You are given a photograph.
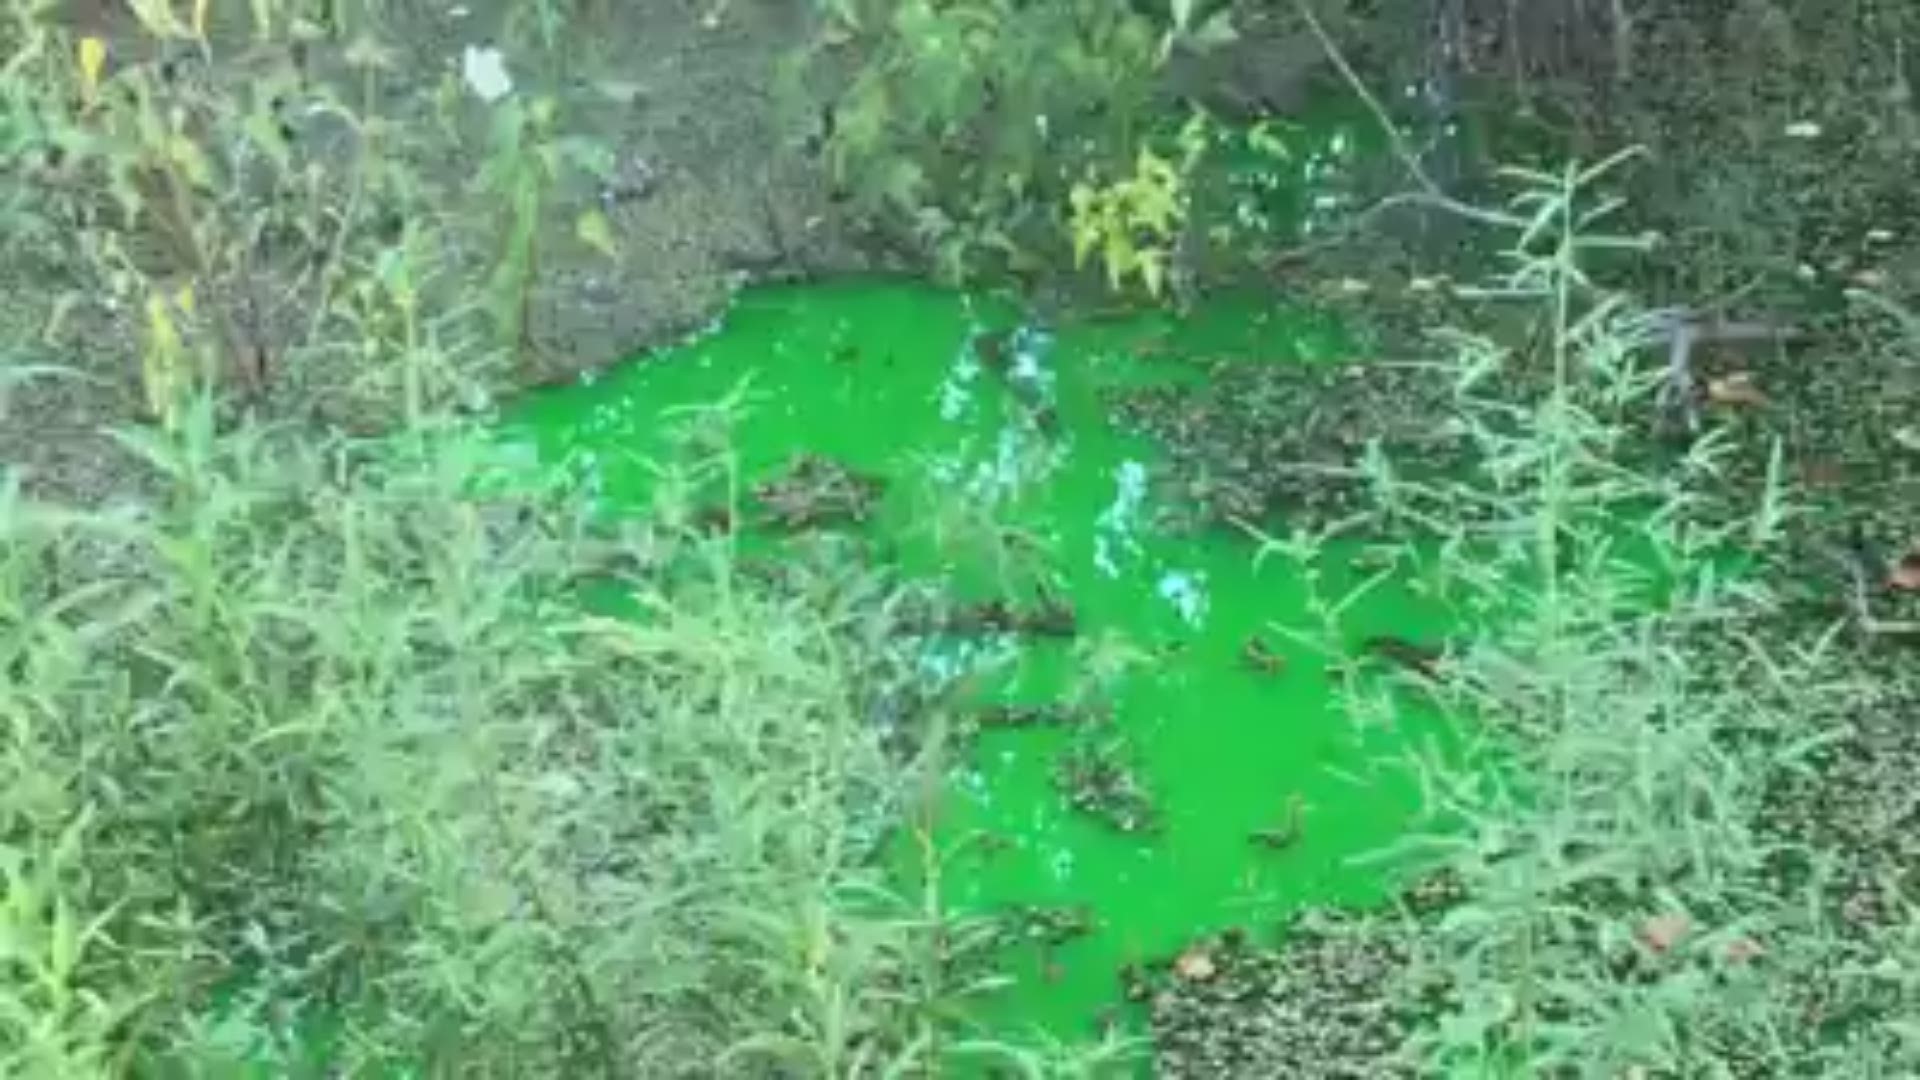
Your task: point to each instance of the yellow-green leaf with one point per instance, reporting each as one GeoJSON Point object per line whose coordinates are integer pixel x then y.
{"type": "Point", "coordinates": [1085, 235]}
{"type": "Point", "coordinates": [157, 18]}
{"type": "Point", "coordinates": [162, 334]}
{"type": "Point", "coordinates": [1263, 140]}
{"type": "Point", "coordinates": [160, 365]}
{"type": "Point", "coordinates": [1152, 265]}
{"type": "Point", "coordinates": [594, 231]}
{"type": "Point", "coordinates": [1120, 258]}
{"type": "Point", "coordinates": [93, 58]}
{"type": "Point", "coordinates": [1217, 31]}
{"type": "Point", "coordinates": [188, 156]}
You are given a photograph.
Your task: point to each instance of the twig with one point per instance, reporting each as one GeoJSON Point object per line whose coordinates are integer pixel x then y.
{"type": "Point", "coordinates": [1430, 193]}
{"type": "Point", "coordinates": [336, 246]}
{"type": "Point", "coordinates": [1685, 327]}
{"type": "Point", "coordinates": [1359, 221]}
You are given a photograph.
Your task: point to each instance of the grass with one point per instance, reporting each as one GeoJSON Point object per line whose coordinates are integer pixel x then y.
{"type": "Point", "coordinates": [1640, 898]}
{"type": "Point", "coordinates": [324, 724]}
{"type": "Point", "coordinates": [309, 742]}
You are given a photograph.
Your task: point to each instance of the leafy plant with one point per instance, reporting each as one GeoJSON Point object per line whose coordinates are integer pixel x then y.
{"type": "Point", "coordinates": [962, 125]}
{"type": "Point", "coordinates": [1135, 222]}
{"type": "Point", "coordinates": [1620, 902]}
{"type": "Point", "coordinates": [527, 157]}
{"type": "Point", "coordinates": [326, 726]}
{"type": "Point", "coordinates": [225, 188]}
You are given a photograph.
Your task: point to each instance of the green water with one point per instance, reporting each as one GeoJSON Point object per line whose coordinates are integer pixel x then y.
{"type": "Point", "coordinates": [889, 379]}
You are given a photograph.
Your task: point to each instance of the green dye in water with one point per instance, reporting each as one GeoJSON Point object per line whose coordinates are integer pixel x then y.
{"type": "Point", "coordinates": [960, 410]}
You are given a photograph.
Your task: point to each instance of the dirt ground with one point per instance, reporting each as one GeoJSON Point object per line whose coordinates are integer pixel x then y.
{"type": "Point", "coordinates": [711, 189]}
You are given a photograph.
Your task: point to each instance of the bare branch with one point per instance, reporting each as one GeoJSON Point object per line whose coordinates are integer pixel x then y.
{"type": "Point", "coordinates": [1430, 193]}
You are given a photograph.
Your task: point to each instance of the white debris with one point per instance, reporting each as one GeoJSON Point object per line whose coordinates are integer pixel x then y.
{"type": "Point", "coordinates": [485, 70]}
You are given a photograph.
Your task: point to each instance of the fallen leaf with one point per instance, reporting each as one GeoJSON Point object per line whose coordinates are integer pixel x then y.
{"type": "Point", "coordinates": [1662, 932]}
{"type": "Point", "coordinates": [1744, 949]}
{"type": "Point", "coordinates": [1905, 575]}
{"type": "Point", "coordinates": [1195, 965]}
{"type": "Point", "coordinates": [1735, 388]}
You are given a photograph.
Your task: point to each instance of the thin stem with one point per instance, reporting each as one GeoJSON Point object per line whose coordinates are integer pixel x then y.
{"type": "Point", "coordinates": [1431, 193]}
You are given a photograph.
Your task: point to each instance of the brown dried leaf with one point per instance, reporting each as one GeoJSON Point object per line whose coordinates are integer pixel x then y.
{"type": "Point", "coordinates": [1905, 575]}
{"type": "Point", "coordinates": [1195, 965]}
{"type": "Point", "coordinates": [1661, 933]}
{"type": "Point", "coordinates": [1744, 950]}
{"type": "Point", "coordinates": [1735, 388]}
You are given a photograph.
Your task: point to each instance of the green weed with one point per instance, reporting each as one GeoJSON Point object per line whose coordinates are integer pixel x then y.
{"type": "Point", "coordinates": [324, 736]}
{"type": "Point", "coordinates": [1617, 906]}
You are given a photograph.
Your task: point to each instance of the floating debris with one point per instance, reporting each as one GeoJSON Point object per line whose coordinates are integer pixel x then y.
{"type": "Point", "coordinates": [1046, 926]}
{"type": "Point", "coordinates": [1257, 656]}
{"type": "Point", "coordinates": [1289, 831]}
{"type": "Point", "coordinates": [1032, 716]}
{"type": "Point", "coordinates": [1049, 618]}
{"type": "Point", "coordinates": [1099, 779]}
{"type": "Point", "coordinates": [1257, 440]}
{"type": "Point", "coordinates": [816, 491]}
{"type": "Point", "coordinates": [1422, 660]}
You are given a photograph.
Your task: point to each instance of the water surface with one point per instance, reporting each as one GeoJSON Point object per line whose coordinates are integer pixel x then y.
{"type": "Point", "coordinates": [1005, 478]}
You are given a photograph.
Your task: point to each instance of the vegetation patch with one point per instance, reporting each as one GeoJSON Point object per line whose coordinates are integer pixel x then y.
{"type": "Point", "coordinates": [335, 741]}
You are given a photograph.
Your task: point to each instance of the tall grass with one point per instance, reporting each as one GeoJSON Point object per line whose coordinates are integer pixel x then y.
{"type": "Point", "coordinates": [1619, 905]}
{"type": "Point", "coordinates": [313, 757]}
{"type": "Point", "coordinates": [325, 739]}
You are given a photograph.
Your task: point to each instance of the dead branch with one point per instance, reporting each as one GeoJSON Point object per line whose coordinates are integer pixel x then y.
{"type": "Point", "coordinates": [1430, 192]}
